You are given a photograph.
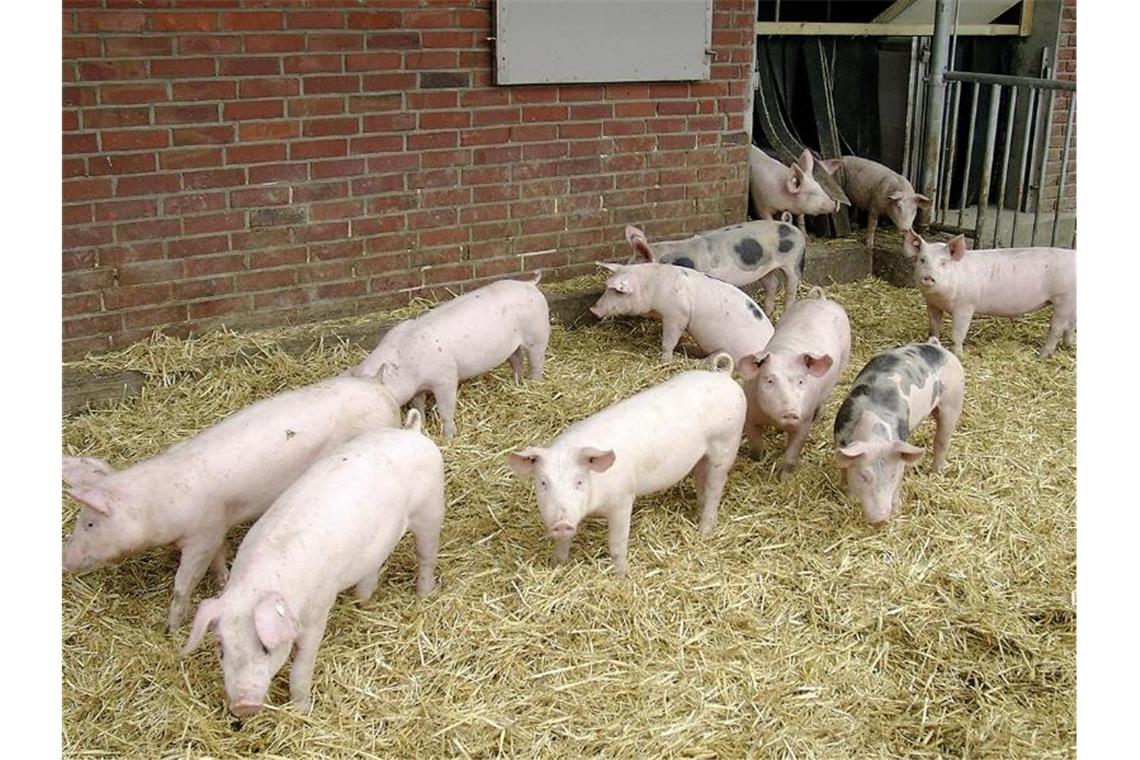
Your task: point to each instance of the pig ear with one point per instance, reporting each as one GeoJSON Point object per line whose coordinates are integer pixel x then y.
{"type": "Point", "coordinates": [922, 200]}
{"type": "Point", "coordinates": [957, 246]}
{"type": "Point", "coordinates": [522, 462]}
{"type": "Point", "coordinates": [640, 244]}
{"type": "Point", "coordinates": [795, 177]}
{"type": "Point", "coordinates": [78, 471]}
{"type": "Point", "coordinates": [274, 621]}
{"type": "Point", "coordinates": [897, 195]}
{"type": "Point", "coordinates": [92, 496]}
{"type": "Point", "coordinates": [817, 364]}
{"type": "Point", "coordinates": [204, 620]}
{"type": "Point", "coordinates": [912, 243]}
{"type": "Point", "coordinates": [383, 372]}
{"type": "Point", "coordinates": [413, 420]}
{"type": "Point", "coordinates": [610, 266]}
{"type": "Point", "coordinates": [849, 453]}
{"type": "Point", "coordinates": [596, 459]}
{"type": "Point", "coordinates": [750, 365]}
{"type": "Point", "coordinates": [806, 161]}
{"type": "Point", "coordinates": [831, 165]}
{"type": "Point", "coordinates": [907, 452]}
{"type": "Point", "coordinates": [624, 285]}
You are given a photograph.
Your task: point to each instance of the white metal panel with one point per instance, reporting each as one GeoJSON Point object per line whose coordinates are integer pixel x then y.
{"type": "Point", "coordinates": [549, 41]}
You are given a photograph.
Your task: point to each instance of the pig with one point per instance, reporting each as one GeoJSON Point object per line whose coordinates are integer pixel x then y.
{"type": "Point", "coordinates": [891, 395]}
{"type": "Point", "coordinates": [788, 383]}
{"type": "Point", "coordinates": [461, 339]}
{"type": "Point", "coordinates": [879, 190]}
{"type": "Point", "coordinates": [332, 529]}
{"type": "Point", "coordinates": [738, 254]}
{"type": "Point", "coordinates": [642, 444]}
{"type": "Point", "coordinates": [717, 315]}
{"type": "Point", "coordinates": [196, 490]}
{"type": "Point", "coordinates": [775, 187]}
{"type": "Point", "coordinates": [1003, 281]}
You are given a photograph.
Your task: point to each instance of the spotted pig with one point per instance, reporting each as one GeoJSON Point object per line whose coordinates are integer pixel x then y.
{"type": "Point", "coordinates": [719, 316]}
{"type": "Point", "coordinates": [739, 254]}
{"type": "Point", "coordinates": [891, 395]}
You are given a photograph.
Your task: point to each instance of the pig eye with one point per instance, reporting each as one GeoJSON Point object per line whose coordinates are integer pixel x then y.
{"type": "Point", "coordinates": [90, 524]}
{"type": "Point", "coordinates": [579, 483]}
{"type": "Point", "coordinates": [865, 476]}
{"type": "Point", "coordinates": [801, 381]}
{"type": "Point", "coordinates": [542, 483]}
{"type": "Point", "coordinates": [769, 380]}
{"type": "Point", "coordinates": [921, 259]}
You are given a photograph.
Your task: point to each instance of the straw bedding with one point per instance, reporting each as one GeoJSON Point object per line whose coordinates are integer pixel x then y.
{"type": "Point", "coordinates": [794, 631]}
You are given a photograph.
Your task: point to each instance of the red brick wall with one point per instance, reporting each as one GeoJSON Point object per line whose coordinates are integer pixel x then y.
{"type": "Point", "coordinates": [251, 162]}
{"type": "Point", "coordinates": [1066, 68]}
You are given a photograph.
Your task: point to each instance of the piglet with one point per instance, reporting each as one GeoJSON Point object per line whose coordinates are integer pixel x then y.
{"type": "Point", "coordinates": [874, 187]}
{"type": "Point", "coordinates": [775, 187]}
{"type": "Point", "coordinates": [461, 339]}
{"type": "Point", "coordinates": [228, 474]}
{"type": "Point", "coordinates": [1005, 282]}
{"type": "Point", "coordinates": [891, 395]}
{"type": "Point", "coordinates": [719, 316]}
{"type": "Point", "coordinates": [738, 254]}
{"type": "Point", "coordinates": [788, 383]}
{"type": "Point", "coordinates": [331, 530]}
{"type": "Point", "coordinates": [645, 443]}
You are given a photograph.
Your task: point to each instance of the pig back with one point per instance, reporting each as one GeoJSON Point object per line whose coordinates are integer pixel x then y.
{"type": "Point", "coordinates": [814, 326]}
{"type": "Point", "coordinates": [868, 183]}
{"type": "Point", "coordinates": [659, 434]}
{"type": "Point", "coordinates": [245, 461]}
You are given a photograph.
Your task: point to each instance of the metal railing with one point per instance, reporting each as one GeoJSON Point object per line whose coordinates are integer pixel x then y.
{"type": "Point", "coordinates": [1026, 136]}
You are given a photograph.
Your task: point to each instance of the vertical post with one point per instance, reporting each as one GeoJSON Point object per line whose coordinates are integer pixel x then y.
{"type": "Point", "coordinates": [936, 95]}
{"type": "Point", "coordinates": [1023, 164]}
{"type": "Point", "coordinates": [948, 160]}
{"type": "Point", "coordinates": [1010, 114]}
{"type": "Point", "coordinates": [969, 160]}
{"type": "Point", "coordinates": [1044, 124]}
{"type": "Point", "coordinates": [1064, 168]}
{"type": "Point", "coordinates": [988, 160]}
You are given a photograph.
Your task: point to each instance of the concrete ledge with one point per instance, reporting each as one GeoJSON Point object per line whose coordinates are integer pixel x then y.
{"type": "Point", "coordinates": [828, 261]}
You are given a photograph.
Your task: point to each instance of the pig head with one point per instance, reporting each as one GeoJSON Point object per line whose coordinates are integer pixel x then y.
{"type": "Point", "coordinates": [109, 526]}
{"type": "Point", "coordinates": [874, 474]}
{"type": "Point", "coordinates": [563, 483]}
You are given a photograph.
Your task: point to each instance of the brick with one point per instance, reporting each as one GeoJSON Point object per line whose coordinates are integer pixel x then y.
{"type": "Point", "coordinates": [84, 303]}
{"type": "Point", "coordinates": [176, 68]}
{"type": "Point", "coordinates": [104, 21]}
{"type": "Point", "coordinates": [393, 41]}
{"type": "Point", "coordinates": [251, 66]}
{"type": "Point", "coordinates": [265, 259]}
{"type": "Point", "coordinates": [148, 184]}
{"type": "Point", "coordinates": [134, 139]}
{"type": "Point", "coordinates": [147, 46]}
{"type": "Point", "coordinates": [339, 250]}
{"type": "Point", "coordinates": [78, 214]}
{"type": "Point", "coordinates": [121, 163]}
{"type": "Point", "coordinates": [74, 97]}
{"type": "Point", "coordinates": [137, 295]}
{"type": "Point", "coordinates": [213, 178]}
{"type": "Point", "coordinates": [273, 43]}
{"type": "Point", "coordinates": [253, 131]}
{"type": "Point", "coordinates": [317, 149]}
{"type": "Point", "coordinates": [100, 118]}
{"type": "Point", "coordinates": [268, 279]}
{"type": "Point", "coordinates": [202, 266]}
{"type": "Point", "coordinates": [373, 103]}
{"type": "Point", "coordinates": [193, 158]}
{"type": "Point", "coordinates": [393, 82]}
{"type": "Point", "coordinates": [158, 270]}
{"type": "Point", "coordinates": [444, 79]}
{"type": "Point", "coordinates": [328, 231]}
{"type": "Point", "coordinates": [332, 42]}
{"type": "Point", "coordinates": [117, 210]}
{"type": "Point", "coordinates": [272, 217]}
{"type": "Point", "coordinates": [324, 106]}
{"type": "Point", "coordinates": [278, 173]}
{"type": "Point", "coordinates": [316, 85]}
{"type": "Point", "coordinates": [269, 87]}
{"type": "Point", "coordinates": [74, 167]}
{"type": "Point", "coordinates": [313, 64]}
{"type": "Point", "coordinates": [253, 109]}
{"type": "Point", "coordinates": [222, 222]}
{"type": "Point", "coordinates": [327, 127]}
{"type": "Point", "coordinates": [186, 114]}
{"type": "Point", "coordinates": [81, 47]}
{"type": "Point", "coordinates": [154, 317]}
{"type": "Point", "coordinates": [252, 20]}
{"type": "Point", "coordinates": [149, 230]}
{"type": "Point", "coordinates": [281, 299]}
{"type": "Point", "coordinates": [120, 94]}
{"type": "Point", "coordinates": [220, 134]}
{"type": "Point", "coordinates": [324, 191]}
{"type": "Point", "coordinates": [183, 205]}
{"type": "Point", "coordinates": [428, 140]}
{"type": "Point", "coordinates": [441, 61]}
{"type": "Point", "coordinates": [86, 142]}
{"type": "Point", "coordinates": [219, 307]}
{"type": "Point", "coordinates": [373, 20]}
{"type": "Point", "coordinates": [394, 122]}
{"type": "Point", "coordinates": [344, 168]}
{"type": "Point", "coordinates": [100, 70]}
{"type": "Point", "coordinates": [448, 39]}
{"type": "Point", "coordinates": [383, 61]}
{"type": "Point", "coordinates": [85, 326]}
{"type": "Point", "coordinates": [184, 22]}
{"type": "Point", "coordinates": [434, 19]}
{"type": "Point", "coordinates": [377, 183]}
{"type": "Point", "coordinates": [260, 196]}
{"type": "Point", "coordinates": [208, 44]}
{"type": "Point", "coordinates": [211, 89]}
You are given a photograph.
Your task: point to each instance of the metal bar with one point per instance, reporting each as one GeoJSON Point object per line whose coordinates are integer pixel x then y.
{"type": "Point", "coordinates": [954, 230]}
{"type": "Point", "coordinates": [1038, 120]}
{"type": "Point", "coordinates": [1011, 113]}
{"type": "Point", "coordinates": [1002, 79]}
{"type": "Point", "coordinates": [969, 156]}
{"type": "Point", "coordinates": [948, 161]}
{"type": "Point", "coordinates": [988, 157]}
{"type": "Point", "coordinates": [909, 106]}
{"type": "Point", "coordinates": [1047, 125]}
{"type": "Point", "coordinates": [829, 29]}
{"type": "Point", "coordinates": [935, 96]}
{"type": "Point", "coordinates": [1023, 165]}
{"type": "Point", "coordinates": [1064, 169]}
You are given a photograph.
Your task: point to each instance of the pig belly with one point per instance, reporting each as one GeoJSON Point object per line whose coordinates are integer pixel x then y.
{"type": "Point", "coordinates": [481, 348]}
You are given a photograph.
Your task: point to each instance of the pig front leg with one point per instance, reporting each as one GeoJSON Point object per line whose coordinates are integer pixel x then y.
{"type": "Point", "coordinates": [1057, 327]}
{"type": "Point", "coordinates": [796, 439]}
{"type": "Point", "coordinates": [618, 526]}
{"type": "Point", "coordinates": [935, 315]}
{"type": "Point", "coordinates": [754, 431]}
{"type": "Point", "coordinates": [516, 360]}
{"type": "Point", "coordinates": [711, 475]}
{"type": "Point", "coordinates": [800, 224]}
{"type": "Point", "coordinates": [872, 223]}
{"type": "Point", "coordinates": [196, 559]}
{"type": "Point", "coordinates": [791, 285]}
{"type": "Point", "coordinates": [960, 326]}
{"type": "Point", "coordinates": [671, 330]}
{"type": "Point", "coordinates": [561, 550]}
{"type": "Point", "coordinates": [445, 392]}
{"type": "Point", "coordinates": [304, 660]}
{"type": "Point", "coordinates": [364, 588]}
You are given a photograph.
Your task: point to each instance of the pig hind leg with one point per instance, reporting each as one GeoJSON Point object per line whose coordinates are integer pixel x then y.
{"type": "Point", "coordinates": [946, 416]}
{"type": "Point", "coordinates": [445, 391]}
{"type": "Point", "coordinates": [769, 283]}
{"type": "Point", "coordinates": [305, 658]}
{"type": "Point", "coordinates": [536, 352]}
{"type": "Point", "coordinates": [711, 474]}
{"type": "Point", "coordinates": [960, 326]}
{"type": "Point", "coordinates": [516, 360]}
{"type": "Point", "coordinates": [218, 566]}
{"type": "Point", "coordinates": [425, 527]}
{"type": "Point", "coordinates": [1064, 322]}
{"type": "Point", "coordinates": [196, 559]}
{"type": "Point", "coordinates": [791, 284]}
{"type": "Point", "coordinates": [670, 335]}
{"type": "Point", "coordinates": [872, 223]}
{"type": "Point", "coordinates": [364, 588]}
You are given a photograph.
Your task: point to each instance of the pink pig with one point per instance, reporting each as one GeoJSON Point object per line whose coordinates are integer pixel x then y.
{"type": "Point", "coordinates": [1006, 282]}
{"type": "Point", "coordinates": [789, 382]}
{"type": "Point", "coordinates": [332, 529]}
{"type": "Point", "coordinates": [228, 474]}
{"type": "Point", "coordinates": [891, 395]}
{"type": "Point", "coordinates": [879, 190]}
{"type": "Point", "coordinates": [775, 187]}
{"type": "Point", "coordinates": [461, 339]}
{"type": "Point", "coordinates": [645, 443]}
{"type": "Point", "coordinates": [720, 317]}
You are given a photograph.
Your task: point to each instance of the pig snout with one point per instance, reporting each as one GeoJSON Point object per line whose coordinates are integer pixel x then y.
{"type": "Point", "coordinates": [563, 529]}
{"type": "Point", "coordinates": [597, 312]}
{"type": "Point", "coordinates": [790, 417]}
{"type": "Point", "coordinates": [245, 708]}
{"type": "Point", "coordinates": [927, 281]}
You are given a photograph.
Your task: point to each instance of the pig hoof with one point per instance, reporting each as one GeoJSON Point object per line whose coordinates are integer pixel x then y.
{"type": "Point", "coordinates": [706, 529]}
{"type": "Point", "coordinates": [303, 706]}
{"type": "Point", "coordinates": [788, 470]}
